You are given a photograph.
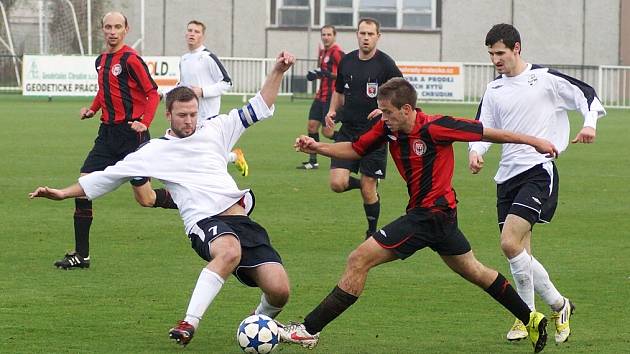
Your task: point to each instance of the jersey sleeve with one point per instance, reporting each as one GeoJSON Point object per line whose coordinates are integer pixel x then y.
{"type": "Point", "coordinates": [574, 94]}
{"type": "Point", "coordinates": [140, 73]}
{"type": "Point", "coordinates": [236, 121]}
{"type": "Point", "coordinates": [219, 75]}
{"type": "Point", "coordinates": [446, 130]}
{"type": "Point", "coordinates": [486, 117]}
{"type": "Point", "coordinates": [340, 80]}
{"type": "Point", "coordinates": [371, 140]}
{"type": "Point", "coordinates": [97, 101]}
{"type": "Point", "coordinates": [99, 183]}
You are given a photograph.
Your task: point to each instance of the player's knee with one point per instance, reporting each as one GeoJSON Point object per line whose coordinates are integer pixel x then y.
{"type": "Point", "coordinates": [279, 294]}
{"type": "Point", "coordinates": [338, 186]}
{"type": "Point", "coordinates": [358, 261]}
{"type": "Point", "coordinates": [510, 246]}
{"type": "Point", "coordinates": [229, 254]}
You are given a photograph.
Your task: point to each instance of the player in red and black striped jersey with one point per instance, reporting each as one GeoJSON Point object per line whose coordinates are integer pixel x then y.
{"type": "Point", "coordinates": [328, 59]}
{"type": "Point", "coordinates": [421, 146]}
{"type": "Point", "coordinates": [127, 97]}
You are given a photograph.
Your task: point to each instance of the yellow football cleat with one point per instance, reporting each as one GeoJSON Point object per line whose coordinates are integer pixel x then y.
{"type": "Point", "coordinates": [561, 319]}
{"type": "Point", "coordinates": [537, 329]}
{"type": "Point", "coordinates": [517, 332]}
{"type": "Point", "coordinates": [240, 162]}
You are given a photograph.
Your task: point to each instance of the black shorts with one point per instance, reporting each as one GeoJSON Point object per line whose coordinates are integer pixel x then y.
{"type": "Point", "coordinates": [373, 164]}
{"type": "Point", "coordinates": [532, 195]}
{"type": "Point", "coordinates": [318, 111]}
{"type": "Point", "coordinates": [256, 247]}
{"type": "Point", "coordinates": [420, 228]}
{"type": "Point", "coordinates": [112, 144]}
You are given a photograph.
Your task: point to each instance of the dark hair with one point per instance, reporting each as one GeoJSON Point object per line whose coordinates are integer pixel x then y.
{"type": "Point", "coordinates": [370, 20]}
{"type": "Point", "coordinates": [113, 12]}
{"type": "Point", "coordinates": [179, 94]}
{"type": "Point", "coordinates": [329, 26]}
{"type": "Point", "coordinates": [198, 23]}
{"type": "Point", "coordinates": [398, 92]}
{"type": "Point", "coordinates": [508, 34]}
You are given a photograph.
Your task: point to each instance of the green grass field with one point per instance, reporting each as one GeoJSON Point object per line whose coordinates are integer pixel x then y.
{"type": "Point", "coordinates": [143, 269]}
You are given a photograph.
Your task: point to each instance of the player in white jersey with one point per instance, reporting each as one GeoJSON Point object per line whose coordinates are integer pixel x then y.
{"type": "Point", "coordinates": [532, 100]}
{"type": "Point", "coordinates": [191, 160]}
{"type": "Point", "coordinates": [204, 73]}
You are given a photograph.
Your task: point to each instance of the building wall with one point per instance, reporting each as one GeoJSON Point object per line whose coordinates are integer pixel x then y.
{"type": "Point", "coordinates": [553, 31]}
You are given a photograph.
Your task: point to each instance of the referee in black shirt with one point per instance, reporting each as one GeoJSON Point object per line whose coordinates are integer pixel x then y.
{"type": "Point", "coordinates": [359, 76]}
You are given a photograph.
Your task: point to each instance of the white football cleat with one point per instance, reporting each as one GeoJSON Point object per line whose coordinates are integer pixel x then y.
{"type": "Point", "coordinates": [297, 334]}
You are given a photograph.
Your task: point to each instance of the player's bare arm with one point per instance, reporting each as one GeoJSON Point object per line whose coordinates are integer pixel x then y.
{"type": "Point", "coordinates": [72, 191]}
{"type": "Point", "coordinates": [585, 136]}
{"type": "Point", "coordinates": [342, 150]}
{"type": "Point", "coordinates": [270, 88]}
{"type": "Point", "coordinates": [503, 136]}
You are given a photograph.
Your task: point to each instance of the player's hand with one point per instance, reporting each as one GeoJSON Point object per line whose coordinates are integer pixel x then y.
{"type": "Point", "coordinates": [139, 127]}
{"type": "Point", "coordinates": [284, 61]}
{"type": "Point", "coordinates": [197, 90]}
{"type": "Point", "coordinates": [546, 147]}
{"type": "Point", "coordinates": [330, 119]}
{"type": "Point", "coordinates": [475, 162]}
{"type": "Point", "coordinates": [86, 113]}
{"type": "Point", "coordinates": [375, 113]}
{"type": "Point", "coordinates": [585, 136]}
{"type": "Point", "coordinates": [305, 144]}
{"type": "Point", "coordinates": [46, 192]}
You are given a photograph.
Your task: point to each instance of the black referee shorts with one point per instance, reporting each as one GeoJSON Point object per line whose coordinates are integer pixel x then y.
{"type": "Point", "coordinates": [421, 228]}
{"type": "Point", "coordinates": [373, 164]}
{"type": "Point", "coordinates": [256, 247]}
{"type": "Point", "coordinates": [532, 195]}
{"type": "Point", "coordinates": [112, 144]}
{"type": "Point", "coordinates": [318, 111]}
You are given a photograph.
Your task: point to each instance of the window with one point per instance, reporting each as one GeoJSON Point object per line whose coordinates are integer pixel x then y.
{"type": "Point", "coordinates": [294, 13]}
{"type": "Point", "coordinates": [338, 13]}
{"type": "Point", "coordinates": [397, 14]}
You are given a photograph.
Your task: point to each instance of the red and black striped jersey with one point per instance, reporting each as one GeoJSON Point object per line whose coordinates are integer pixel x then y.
{"type": "Point", "coordinates": [424, 158]}
{"type": "Point", "coordinates": [328, 60]}
{"type": "Point", "coordinates": [126, 90]}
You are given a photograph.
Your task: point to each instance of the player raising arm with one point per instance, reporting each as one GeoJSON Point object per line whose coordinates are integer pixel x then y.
{"type": "Point", "coordinates": [422, 149]}
{"type": "Point", "coordinates": [191, 161]}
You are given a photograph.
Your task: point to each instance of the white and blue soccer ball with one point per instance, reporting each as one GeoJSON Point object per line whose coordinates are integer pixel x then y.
{"type": "Point", "coordinates": [258, 334]}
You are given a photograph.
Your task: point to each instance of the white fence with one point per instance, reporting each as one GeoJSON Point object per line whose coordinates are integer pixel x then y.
{"type": "Point", "coordinates": [612, 83]}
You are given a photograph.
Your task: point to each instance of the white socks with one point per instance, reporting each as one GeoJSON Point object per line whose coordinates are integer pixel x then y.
{"type": "Point", "coordinates": [530, 275]}
{"type": "Point", "coordinates": [207, 288]}
{"type": "Point", "coordinates": [521, 267]}
{"type": "Point", "coordinates": [544, 287]}
{"type": "Point", "coordinates": [265, 308]}
{"type": "Point", "coordinates": [231, 157]}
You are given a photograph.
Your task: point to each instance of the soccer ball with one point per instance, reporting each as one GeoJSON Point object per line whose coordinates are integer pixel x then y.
{"type": "Point", "coordinates": [257, 334]}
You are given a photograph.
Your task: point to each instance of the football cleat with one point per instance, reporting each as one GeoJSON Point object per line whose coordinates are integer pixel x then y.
{"type": "Point", "coordinates": [308, 166]}
{"type": "Point", "coordinates": [561, 318]}
{"type": "Point", "coordinates": [297, 334]}
{"type": "Point", "coordinates": [240, 162]}
{"type": "Point", "coordinates": [182, 333]}
{"type": "Point", "coordinates": [73, 260]}
{"type": "Point", "coordinates": [517, 332]}
{"type": "Point", "coordinates": [537, 329]}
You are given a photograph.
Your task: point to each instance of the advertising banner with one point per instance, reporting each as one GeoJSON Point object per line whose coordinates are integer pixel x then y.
{"type": "Point", "coordinates": [435, 81]}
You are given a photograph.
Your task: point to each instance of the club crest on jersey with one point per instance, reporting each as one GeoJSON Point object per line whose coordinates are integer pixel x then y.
{"type": "Point", "coordinates": [326, 59]}
{"type": "Point", "coordinates": [532, 80]}
{"type": "Point", "coordinates": [371, 89]}
{"type": "Point", "coordinates": [116, 69]}
{"type": "Point", "coordinates": [419, 147]}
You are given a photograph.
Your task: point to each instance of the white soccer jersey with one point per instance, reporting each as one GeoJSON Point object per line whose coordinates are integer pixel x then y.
{"type": "Point", "coordinates": [193, 169]}
{"type": "Point", "coordinates": [534, 102]}
{"type": "Point", "coordinates": [203, 69]}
